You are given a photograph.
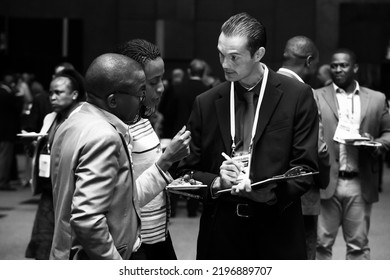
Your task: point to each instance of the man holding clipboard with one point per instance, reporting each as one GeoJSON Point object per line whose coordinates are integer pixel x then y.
{"type": "Point", "coordinates": [279, 132]}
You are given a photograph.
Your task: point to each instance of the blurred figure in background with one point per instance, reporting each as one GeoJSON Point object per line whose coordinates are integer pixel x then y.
{"type": "Point", "coordinates": [67, 92]}
{"type": "Point", "coordinates": [11, 106]}
{"type": "Point", "coordinates": [166, 105]}
{"type": "Point", "coordinates": [324, 75]}
{"type": "Point", "coordinates": [63, 65]}
{"type": "Point", "coordinates": [208, 78]}
{"type": "Point", "coordinates": [182, 100]}
{"type": "Point", "coordinates": [300, 61]}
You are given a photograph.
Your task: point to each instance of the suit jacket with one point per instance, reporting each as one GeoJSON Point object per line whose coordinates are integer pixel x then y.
{"type": "Point", "coordinates": [95, 201]}
{"type": "Point", "coordinates": [374, 120]}
{"type": "Point", "coordinates": [286, 136]}
{"type": "Point", "coordinates": [183, 99]}
{"type": "Point", "coordinates": [311, 199]}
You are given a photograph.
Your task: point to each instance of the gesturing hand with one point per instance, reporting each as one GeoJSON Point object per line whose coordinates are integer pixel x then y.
{"type": "Point", "coordinates": [176, 150]}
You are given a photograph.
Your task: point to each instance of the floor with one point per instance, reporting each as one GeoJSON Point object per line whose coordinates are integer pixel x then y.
{"type": "Point", "coordinates": [17, 212]}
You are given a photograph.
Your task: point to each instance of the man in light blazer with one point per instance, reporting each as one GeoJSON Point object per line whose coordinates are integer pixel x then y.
{"type": "Point", "coordinates": [243, 223]}
{"type": "Point", "coordinates": [353, 187]}
{"type": "Point", "coordinates": [300, 60]}
{"type": "Point", "coordinates": [96, 201]}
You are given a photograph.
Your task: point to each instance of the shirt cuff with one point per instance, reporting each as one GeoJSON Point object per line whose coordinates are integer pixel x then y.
{"type": "Point", "coordinates": [167, 177]}
{"type": "Point", "coordinates": [214, 187]}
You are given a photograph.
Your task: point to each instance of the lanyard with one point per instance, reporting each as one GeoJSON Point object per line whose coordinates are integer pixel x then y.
{"type": "Point", "coordinates": [233, 114]}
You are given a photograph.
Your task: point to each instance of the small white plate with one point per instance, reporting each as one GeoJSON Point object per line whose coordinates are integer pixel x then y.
{"type": "Point", "coordinates": [185, 187]}
{"type": "Point", "coordinates": [31, 134]}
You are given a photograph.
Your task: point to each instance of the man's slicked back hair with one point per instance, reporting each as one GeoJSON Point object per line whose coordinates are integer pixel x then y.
{"type": "Point", "coordinates": [246, 26]}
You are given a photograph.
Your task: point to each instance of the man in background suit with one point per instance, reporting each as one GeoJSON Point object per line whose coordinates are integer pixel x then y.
{"type": "Point", "coordinates": [300, 60]}
{"type": "Point", "coordinates": [350, 109]}
{"type": "Point", "coordinates": [242, 223]}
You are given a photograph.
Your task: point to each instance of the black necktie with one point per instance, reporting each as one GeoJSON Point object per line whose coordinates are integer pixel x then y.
{"type": "Point", "coordinates": [248, 119]}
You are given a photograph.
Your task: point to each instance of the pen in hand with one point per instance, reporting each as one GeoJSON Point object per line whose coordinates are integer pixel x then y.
{"type": "Point", "coordinates": [229, 158]}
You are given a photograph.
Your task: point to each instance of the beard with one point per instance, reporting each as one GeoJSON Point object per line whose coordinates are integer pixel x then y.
{"type": "Point", "coordinates": [146, 111]}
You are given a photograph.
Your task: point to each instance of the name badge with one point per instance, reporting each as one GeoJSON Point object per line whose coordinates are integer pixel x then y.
{"type": "Point", "coordinates": [44, 166]}
{"type": "Point", "coordinates": [245, 160]}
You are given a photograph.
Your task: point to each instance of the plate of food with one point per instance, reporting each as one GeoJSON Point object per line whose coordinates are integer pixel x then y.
{"type": "Point", "coordinates": [185, 182]}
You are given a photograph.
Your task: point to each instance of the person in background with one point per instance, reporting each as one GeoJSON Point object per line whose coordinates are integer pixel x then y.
{"type": "Point", "coordinates": [300, 60]}
{"type": "Point", "coordinates": [209, 79]}
{"type": "Point", "coordinates": [182, 99]}
{"type": "Point", "coordinates": [167, 106]}
{"type": "Point", "coordinates": [267, 123]}
{"type": "Point", "coordinates": [350, 109]}
{"type": "Point", "coordinates": [63, 65]}
{"type": "Point", "coordinates": [66, 93]}
{"type": "Point", "coordinates": [41, 106]}
{"type": "Point", "coordinates": [146, 151]}
{"type": "Point", "coordinates": [11, 107]}
{"type": "Point", "coordinates": [177, 76]}
{"type": "Point", "coordinates": [324, 75]}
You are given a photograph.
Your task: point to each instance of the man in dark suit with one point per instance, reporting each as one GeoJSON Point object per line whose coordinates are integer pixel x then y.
{"type": "Point", "coordinates": [243, 223]}
{"type": "Point", "coordinates": [300, 60]}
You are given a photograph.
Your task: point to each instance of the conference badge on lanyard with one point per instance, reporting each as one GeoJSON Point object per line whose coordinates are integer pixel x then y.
{"type": "Point", "coordinates": [246, 157]}
{"type": "Point", "coordinates": [44, 166]}
{"type": "Point", "coordinates": [245, 160]}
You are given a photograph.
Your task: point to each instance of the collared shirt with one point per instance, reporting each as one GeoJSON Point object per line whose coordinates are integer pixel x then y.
{"type": "Point", "coordinates": [349, 111]}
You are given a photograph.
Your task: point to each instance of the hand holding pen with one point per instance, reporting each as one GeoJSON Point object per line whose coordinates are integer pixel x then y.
{"type": "Point", "coordinates": [229, 172]}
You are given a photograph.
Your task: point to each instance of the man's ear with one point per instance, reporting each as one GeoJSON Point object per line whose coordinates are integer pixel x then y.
{"type": "Point", "coordinates": [111, 101]}
{"type": "Point", "coordinates": [309, 60]}
{"type": "Point", "coordinates": [355, 68]}
{"type": "Point", "coordinates": [260, 54]}
{"type": "Point", "coordinates": [75, 94]}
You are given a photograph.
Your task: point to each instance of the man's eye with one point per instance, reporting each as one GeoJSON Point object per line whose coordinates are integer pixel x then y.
{"type": "Point", "coordinates": [342, 65]}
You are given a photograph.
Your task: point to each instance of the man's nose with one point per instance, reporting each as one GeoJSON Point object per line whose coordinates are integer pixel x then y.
{"type": "Point", "coordinates": [225, 63]}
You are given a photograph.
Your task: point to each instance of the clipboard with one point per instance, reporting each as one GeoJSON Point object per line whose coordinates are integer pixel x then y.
{"type": "Point", "coordinates": [293, 173]}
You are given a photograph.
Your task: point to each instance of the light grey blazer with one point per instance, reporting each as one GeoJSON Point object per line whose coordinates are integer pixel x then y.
{"type": "Point", "coordinates": [375, 120]}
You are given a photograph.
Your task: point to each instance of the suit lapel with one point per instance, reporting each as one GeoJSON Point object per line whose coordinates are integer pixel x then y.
{"type": "Point", "coordinates": [223, 116]}
{"type": "Point", "coordinates": [330, 98]}
{"type": "Point", "coordinates": [271, 99]}
{"type": "Point", "coordinates": [364, 100]}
